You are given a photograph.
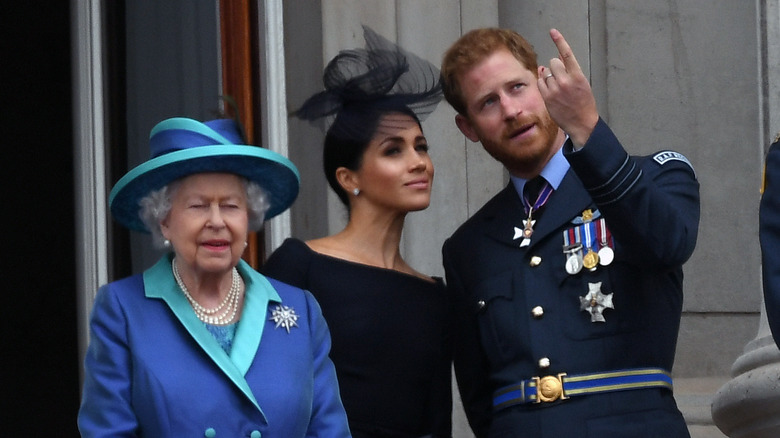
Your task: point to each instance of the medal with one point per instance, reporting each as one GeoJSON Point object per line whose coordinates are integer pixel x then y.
{"type": "Point", "coordinates": [573, 255]}
{"type": "Point", "coordinates": [606, 254]}
{"type": "Point", "coordinates": [595, 302]}
{"type": "Point", "coordinates": [528, 229]}
{"type": "Point", "coordinates": [528, 225]}
{"type": "Point", "coordinates": [545, 190]}
{"type": "Point", "coordinates": [574, 263]}
{"type": "Point", "coordinates": [520, 232]}
{"type": "Point", "coordinates": [590, 260]}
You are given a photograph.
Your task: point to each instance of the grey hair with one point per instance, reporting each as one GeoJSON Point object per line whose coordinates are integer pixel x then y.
{"type": "Point", "coordinates": [155, 206]}
{"type": "Point", "coordinates": [256, 203]}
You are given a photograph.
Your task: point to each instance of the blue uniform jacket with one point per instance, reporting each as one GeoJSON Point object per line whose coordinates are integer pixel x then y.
{"type": "Point", "coordinates": [651, 206]}
{"type": "Point", "coordinates": [769, 236]}
{"type": "Point", "coordinates": [152, 368]}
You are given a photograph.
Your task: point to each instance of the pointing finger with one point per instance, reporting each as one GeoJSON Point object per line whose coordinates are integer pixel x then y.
{"type": "Point", "coordinates": [565, 53]}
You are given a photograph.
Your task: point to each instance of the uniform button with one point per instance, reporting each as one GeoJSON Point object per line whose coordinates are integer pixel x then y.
{"type": "Point", "coordinates": [255, 434]}
{"type": "Point", "coordinates": [480, 304]}
{"type": "Point", "coordinates": [535, 261]}
{"type": "Point", "coordinates": [210, 433]}
{"type": "Point", "coordinates": [544, 362]}
{"type": "Point", "coordinates": [537, 312]}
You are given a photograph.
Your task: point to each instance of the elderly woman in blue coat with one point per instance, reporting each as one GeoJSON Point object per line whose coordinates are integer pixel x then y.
{"type": "Point", "coordinates": [200, 344]}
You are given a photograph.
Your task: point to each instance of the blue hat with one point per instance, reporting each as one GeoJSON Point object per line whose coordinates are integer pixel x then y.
{"type": "Point", "coordinates": [181, 147]}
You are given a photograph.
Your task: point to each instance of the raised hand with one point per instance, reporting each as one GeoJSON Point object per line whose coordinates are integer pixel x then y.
{"type": "Point", "coordinates": [567, 93]}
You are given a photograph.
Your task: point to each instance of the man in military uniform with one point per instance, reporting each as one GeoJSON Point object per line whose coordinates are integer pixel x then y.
{"type": "Point", "coordinates": [568, 298]}
{"type": "Point", "coordinates": [769, 236]}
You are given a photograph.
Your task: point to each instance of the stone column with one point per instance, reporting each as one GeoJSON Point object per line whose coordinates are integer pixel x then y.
{"type": "Point", "coordinates": [748, 406]}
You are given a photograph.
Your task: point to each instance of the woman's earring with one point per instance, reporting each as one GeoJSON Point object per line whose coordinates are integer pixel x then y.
{"type": "Point", "coordinates": [167, 243]}
{"type": "Point", "coordinates": [356, 191]}
{"type": "Point", "coordinates": [246, 244]}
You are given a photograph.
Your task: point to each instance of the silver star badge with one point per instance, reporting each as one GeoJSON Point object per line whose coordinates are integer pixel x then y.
{"type": "Point", "coordinates": [284, 317]}
{"type": "Point", "coordinates": [596, 302]}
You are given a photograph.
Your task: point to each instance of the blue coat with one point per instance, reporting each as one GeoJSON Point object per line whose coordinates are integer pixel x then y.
{"type": "Point", "coordinates": [153, 369]}
{"type": "Point", "coordinates": [769, 236]}
{"type": "Point", "coordinates": [651, 207]}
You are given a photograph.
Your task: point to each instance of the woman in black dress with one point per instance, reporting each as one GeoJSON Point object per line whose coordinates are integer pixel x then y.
{"type": "Point", "coordinates": [388, 322]}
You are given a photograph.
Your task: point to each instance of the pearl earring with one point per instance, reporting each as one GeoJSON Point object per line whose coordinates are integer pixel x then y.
{"type": "Point", "coordinates": [356, 191]}
{"type": "Point", "coordinates": [246, 244]}
{"type": "Point", "coordinates": [167, 243]}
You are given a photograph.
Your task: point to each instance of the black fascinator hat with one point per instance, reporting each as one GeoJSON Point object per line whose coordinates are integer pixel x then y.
{"type": "Point", "coordinates": [381, 77]}
{"type": "Point", "coordinates": [361, 86]}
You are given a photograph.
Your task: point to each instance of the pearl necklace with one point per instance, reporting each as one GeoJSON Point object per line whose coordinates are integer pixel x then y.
{"type": "Point", "coordinates": [221, 314]}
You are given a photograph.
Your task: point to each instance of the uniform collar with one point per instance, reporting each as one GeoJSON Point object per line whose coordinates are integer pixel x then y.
{"type": "Point", "coordinates": [553, 172]}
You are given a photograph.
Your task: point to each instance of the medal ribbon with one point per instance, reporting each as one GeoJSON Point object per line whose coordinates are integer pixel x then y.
{"type": "Point", "coordinates": [604, 235]}
{"type": "Point", "coordinates": [590, 235]}
{"type": "Point", "coordinates": [571, 236]}
{"type": "Point", "coordinates": [541, 199]}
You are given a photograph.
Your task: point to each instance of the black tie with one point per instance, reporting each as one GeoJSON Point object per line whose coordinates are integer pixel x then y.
{"type": "Point", "coordinates": [532, 188]}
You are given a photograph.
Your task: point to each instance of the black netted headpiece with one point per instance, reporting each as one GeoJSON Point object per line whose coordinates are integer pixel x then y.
{"type": "Point", "coordinates": [380, 78]}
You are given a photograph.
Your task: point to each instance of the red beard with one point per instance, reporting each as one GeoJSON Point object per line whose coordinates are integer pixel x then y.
{"type": "Point", "coordinates": [528, 156]}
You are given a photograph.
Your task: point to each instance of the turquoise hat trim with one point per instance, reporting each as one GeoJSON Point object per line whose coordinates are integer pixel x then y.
{"type": "Point", "coordinates": [277, 175]}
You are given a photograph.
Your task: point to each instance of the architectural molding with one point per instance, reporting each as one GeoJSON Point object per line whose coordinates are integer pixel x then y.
{"type": "Point", "coordinates": [273, 103]}
{"type": "Point", "coordinates": [746, 406]}
{"type": "Point", "coordinates": [89, 160]}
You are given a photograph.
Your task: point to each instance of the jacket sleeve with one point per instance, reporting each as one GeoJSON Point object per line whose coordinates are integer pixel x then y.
{"type": "Point", "coordinates": [769, 237]}
{"type": "Point", "coordinates": [471, 369]}
{"type": "Point", "coordinates": [651, 205]}
{"type": "Point", "coordinates": [106, 409]}
{"type": "Point", "coordinates": [328, 418]}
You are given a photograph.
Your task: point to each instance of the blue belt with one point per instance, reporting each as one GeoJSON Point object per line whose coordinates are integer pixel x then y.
{"type": "Point", "coordinates": [563, 386]}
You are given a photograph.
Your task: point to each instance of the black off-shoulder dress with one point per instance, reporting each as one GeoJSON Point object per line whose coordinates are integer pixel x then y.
{"type": "Point", "coordinates": [390, 340]}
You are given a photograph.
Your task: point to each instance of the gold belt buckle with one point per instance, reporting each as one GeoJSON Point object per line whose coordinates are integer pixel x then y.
{"type": "Point", "coordinates": [549, 388]}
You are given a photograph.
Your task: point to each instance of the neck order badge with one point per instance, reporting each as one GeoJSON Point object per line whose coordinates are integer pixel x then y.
{"type": "Point", "coordinates": [539, 190]}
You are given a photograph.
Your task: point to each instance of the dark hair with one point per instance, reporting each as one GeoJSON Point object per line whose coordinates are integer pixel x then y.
{"type": "Point", "coordinates": [362, 86]}
{"type": "Point", "coordinates": [348, 138]}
